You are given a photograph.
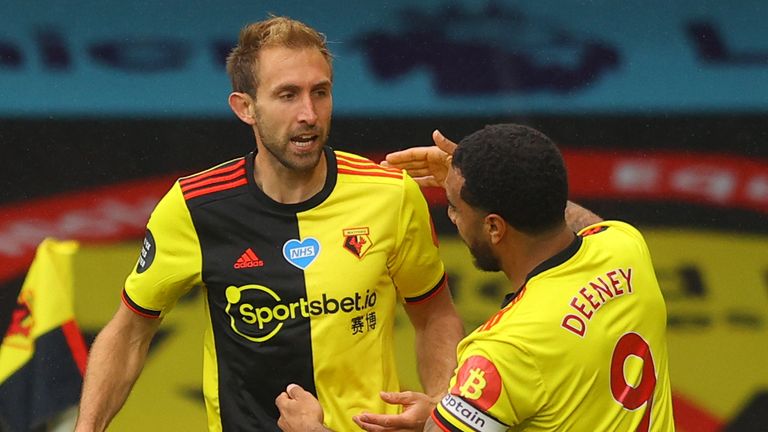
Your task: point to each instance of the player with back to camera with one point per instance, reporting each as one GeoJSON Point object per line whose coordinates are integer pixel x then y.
{"type": "Point", "coordinates": [580, 342]}
{"type": "Point", "coordinates": [302, 253]}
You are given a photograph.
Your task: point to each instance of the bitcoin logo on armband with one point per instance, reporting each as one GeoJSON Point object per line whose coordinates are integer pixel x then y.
{"type": "Point", "coordinates": [474, 385]}
{"type": "Point", "coordinates": [479, 381]}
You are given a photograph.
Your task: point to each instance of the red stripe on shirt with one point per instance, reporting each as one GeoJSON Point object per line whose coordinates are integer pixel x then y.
{"type": "Point", "coordinates": [370, 173]}
{"type": "Point", "coordinates": [366, 165]}
{"type": "Point", "coordinates": [217, 171]}
{"type": "Point", "coordinates": [211, 189]}
{"type": "Point", "coordinates": [146, 314]}
{"type": "Point", "coordinates": [187, 187]}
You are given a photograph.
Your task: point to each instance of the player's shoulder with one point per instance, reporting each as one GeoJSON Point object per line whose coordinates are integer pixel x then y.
{"type": "Point", "coordinates": [611, 228]}
{"type": "Point", "coordinates": [509, 320]}
{"type": "Point", "coordinates": [618, 236]}
{"type": "Point", "coordinates": [353, 167]}
{"type": "Point", "coordinates": [214, 182]}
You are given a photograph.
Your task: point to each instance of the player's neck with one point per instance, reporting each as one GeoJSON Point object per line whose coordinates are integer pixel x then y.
{"type": "Point", "coordinates": [525, 252]}
{"type": "Point", "coordinates": [288, 186]}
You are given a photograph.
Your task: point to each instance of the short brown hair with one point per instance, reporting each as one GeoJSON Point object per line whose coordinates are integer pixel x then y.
{"type": "Point", "coordinates": [242, 62]}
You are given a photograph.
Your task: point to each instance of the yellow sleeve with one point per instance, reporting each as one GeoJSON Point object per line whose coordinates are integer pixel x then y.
{"type": "Point", "coordinates": [416, 267]}
{"type": "Point", "coordinates": [496, 386]}
{"type": "Point", "coordinates": [170, 261]}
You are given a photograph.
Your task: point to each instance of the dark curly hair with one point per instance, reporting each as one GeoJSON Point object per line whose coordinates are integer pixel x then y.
{"type": "Point", "coordinates": [516, 172]}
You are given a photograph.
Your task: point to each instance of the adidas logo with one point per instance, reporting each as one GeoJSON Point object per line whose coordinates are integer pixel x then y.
{"type": "Point", "coordinates": [248, 259]}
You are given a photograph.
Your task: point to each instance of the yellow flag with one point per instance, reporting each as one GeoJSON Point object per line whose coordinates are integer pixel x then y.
{"type": "Point", "coordinates": [43, 355]}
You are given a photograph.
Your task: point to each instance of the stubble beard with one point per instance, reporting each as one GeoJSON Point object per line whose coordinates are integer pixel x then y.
{"type": "Point", "coordinates": [279, 147]}
{"type": "Point", "coordinates": [484, 259]}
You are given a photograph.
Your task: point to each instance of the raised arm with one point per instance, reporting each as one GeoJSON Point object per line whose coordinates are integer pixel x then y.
{"type": "Point", "coordinates": [429, 167]}
{"type": "Point", "coordinates": [115, 362]}
{"type": "Point", "coordinates": [578, 218]}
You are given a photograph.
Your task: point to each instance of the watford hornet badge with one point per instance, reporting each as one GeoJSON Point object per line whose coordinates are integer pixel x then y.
{"type": "Point", "coordinates": [357, 241]}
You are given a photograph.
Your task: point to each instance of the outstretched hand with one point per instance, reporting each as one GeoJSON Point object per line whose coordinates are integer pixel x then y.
{"type": "Point", "coordinates": [416, 409]}
{"type": "Point", "coordinates": [299, 410]}
{"type": "Point", "coordinates": [427, 165]}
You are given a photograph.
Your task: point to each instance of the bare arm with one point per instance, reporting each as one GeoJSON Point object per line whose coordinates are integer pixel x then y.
{"type": "Point", "coordinates": [577, 217]}
{"type": "Point", "coordinates": [115, 362]}
{"type": "Point", "coordinates": [436, 323]}
{"type": "Point", "coordinates": [431, 426]}
{"type": "Point", "coordinates": [438, 330]}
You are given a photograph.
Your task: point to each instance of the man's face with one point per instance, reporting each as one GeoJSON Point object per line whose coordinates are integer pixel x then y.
{"type": "Point", "coordinates": [293, 106]}
{"type": "Point", "coordinates": [470, 223]}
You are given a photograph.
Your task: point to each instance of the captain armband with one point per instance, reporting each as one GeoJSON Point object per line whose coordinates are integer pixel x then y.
{"type": "Point", "coordinates": [455, 413]}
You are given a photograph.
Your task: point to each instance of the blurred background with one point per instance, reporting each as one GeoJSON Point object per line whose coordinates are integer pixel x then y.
{"type": "Point", "coordinates": [660, 108]}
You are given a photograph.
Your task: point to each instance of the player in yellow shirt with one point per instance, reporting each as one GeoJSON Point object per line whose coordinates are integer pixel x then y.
{"type": "Point", "coordinates": [580, 343]}
{"type": "Point", "coordinates": [302, 252]}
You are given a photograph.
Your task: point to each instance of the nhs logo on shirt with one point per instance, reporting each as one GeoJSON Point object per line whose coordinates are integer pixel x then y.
{"type": "Point", "coordinates": [301, 253]}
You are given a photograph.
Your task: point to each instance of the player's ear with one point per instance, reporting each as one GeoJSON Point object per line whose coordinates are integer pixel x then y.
{"type": "Point", "coordinates": [243, 106]}
{"type": "Point", "coordinates": [496, 227]}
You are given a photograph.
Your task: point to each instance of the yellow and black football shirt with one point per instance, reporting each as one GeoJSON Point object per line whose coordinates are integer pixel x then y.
{"type": "Point", "coordinates": [581, 347]}
{"type": "Point", "coordinates": [302, 293]}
